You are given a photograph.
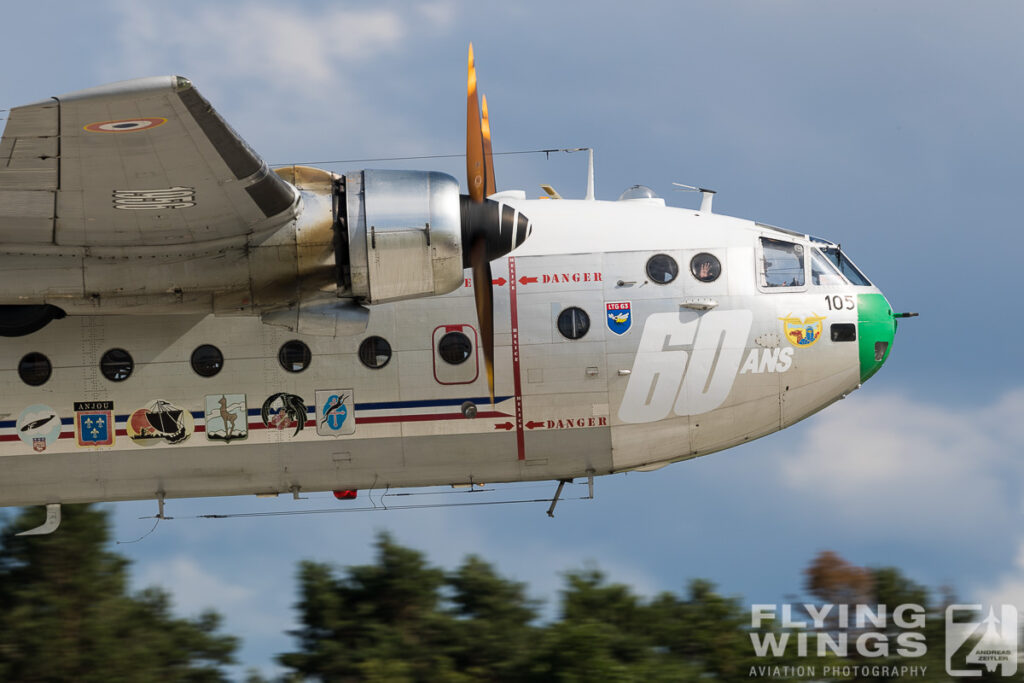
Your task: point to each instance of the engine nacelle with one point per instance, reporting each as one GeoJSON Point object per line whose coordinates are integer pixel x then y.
{"type": "Point", "coordinates": [404, 231]}
{"type": "Point", "coordinates": [371, 237]}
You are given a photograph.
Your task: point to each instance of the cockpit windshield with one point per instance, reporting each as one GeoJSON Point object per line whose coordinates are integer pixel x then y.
{"type": "Point", "coordinates": [845, 266]}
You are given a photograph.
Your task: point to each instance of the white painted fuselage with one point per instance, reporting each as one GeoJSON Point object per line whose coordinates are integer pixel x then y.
{"type": "Point", "coordinates": [665, 372]}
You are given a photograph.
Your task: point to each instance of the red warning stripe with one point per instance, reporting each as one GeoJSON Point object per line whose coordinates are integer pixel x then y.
{"type": "Point", "coordinates": [517, 381]}
{"type": "Point", "coordinates": [423, 418]}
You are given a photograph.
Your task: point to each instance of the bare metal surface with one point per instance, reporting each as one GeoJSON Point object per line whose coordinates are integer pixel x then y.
{"type": "Point", "coordinates": [28, 175]}
{"type": "Point", "coordinates": [408, 224]}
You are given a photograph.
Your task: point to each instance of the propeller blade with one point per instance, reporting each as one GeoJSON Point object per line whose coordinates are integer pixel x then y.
{"type": "Point", "coordinates": [483, 292]}
{"type": "Point", "coordinates": [485, 127]}
{"type": "Point", "coordinates": [475, 168]}
{"type": "Point", "coordinates": [479, 175]}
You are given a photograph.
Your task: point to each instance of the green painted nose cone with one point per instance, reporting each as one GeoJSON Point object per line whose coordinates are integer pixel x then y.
{"type": "Point", "coordinates": [876, 329]}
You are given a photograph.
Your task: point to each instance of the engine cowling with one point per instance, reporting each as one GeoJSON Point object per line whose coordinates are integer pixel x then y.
{"type": "Point", "coordinates": [408, 233]}
{"type": "Point", "coordinates": [404, 234]}
{"type": "Point", "coordinates": [396, 235]}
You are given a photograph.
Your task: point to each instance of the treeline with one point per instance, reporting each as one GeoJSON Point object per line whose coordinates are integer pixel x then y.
{"type": "Point", "coordinates": [67, 615]}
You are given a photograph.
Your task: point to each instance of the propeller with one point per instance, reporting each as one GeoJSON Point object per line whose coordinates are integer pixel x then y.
{"type": "Point", "coordinates": [485, 131]}
{"type": "Point", "coordinates": [476, 169]}
{"type": "Point", "coordinates": [481, 217]}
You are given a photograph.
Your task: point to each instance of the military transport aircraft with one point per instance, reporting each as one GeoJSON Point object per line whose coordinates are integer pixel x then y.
{"type": "Point", "coordinates": [183, 321]}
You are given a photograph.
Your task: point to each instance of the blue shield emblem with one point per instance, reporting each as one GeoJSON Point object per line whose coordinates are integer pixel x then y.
{"type": "Point", "coordinates": [619, 316]}
{"type": "Point", "coordinates": [94, 423]}
{"type": "Point", "coordinates": [335, 412]}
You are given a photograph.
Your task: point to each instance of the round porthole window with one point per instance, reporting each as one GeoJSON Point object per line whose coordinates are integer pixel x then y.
{"type": "Point", "coordinates": [294, 356]}
{"type": "Point", "coordinates": [34, 369]}
{"type": "Point", "coordinates": [662, 269]}
{"type": "Point", "coordinates": [455, 348]}
{"type": "Point", "coordinates": [117, 365]}
{"type": "Point", "coordinates": [573, 322]}
{"type": "Point", "coordinates": [705, 267]}
{"type": "Point", "coordinates": [207, 360]}
{"type": "Point", "coordinates": [375, 352]}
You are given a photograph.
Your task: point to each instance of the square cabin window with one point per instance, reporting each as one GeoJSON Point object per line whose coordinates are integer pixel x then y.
{"type": "Point", "coordinates": [782, 263]}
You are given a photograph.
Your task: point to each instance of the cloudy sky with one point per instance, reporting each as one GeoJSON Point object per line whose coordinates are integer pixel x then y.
{"type": "Point", "coordinates": [894, 128]}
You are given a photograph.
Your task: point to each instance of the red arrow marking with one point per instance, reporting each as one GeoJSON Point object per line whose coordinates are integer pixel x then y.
{"type": "Point", "coordinates": [504, 425]}
{"type": "Point", "coordinates": [526, 280]}
{"type": "Point", "coordinates": [533, 425]}
{"type": "Point", "coordinates": [500, 282]}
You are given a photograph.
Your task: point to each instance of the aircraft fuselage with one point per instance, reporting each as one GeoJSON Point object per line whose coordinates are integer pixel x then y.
{"type": "Point", "coordinates": [664, 371]}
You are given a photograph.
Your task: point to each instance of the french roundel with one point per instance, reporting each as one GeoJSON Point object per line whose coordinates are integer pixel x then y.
{"type": "Point", "coordinates": [125, 125]}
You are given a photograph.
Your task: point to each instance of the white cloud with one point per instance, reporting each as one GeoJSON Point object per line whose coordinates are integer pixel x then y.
{"type": "Point", "coordinates": [913, 465]}
{"type": "Point", "coordinates": [286, 47]}
{"type": "Point", "coordinates": [250, 600]}
{"type": "Point", "coordinates": [1009, 590]}
{"type": "Point", "coordinates": [193, 588]}
{"type": "Point", "coordinates": [299, 82]}
{"type": "Point", "coordinates": [439, 14]}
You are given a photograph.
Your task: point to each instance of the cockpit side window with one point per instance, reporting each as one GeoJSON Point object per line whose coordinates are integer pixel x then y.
{"type": "Point", "coordinates": [782, 263]}
{"type": "Point", "coordinates": [822, 270]}
{"type": "Point", "coordinates": [845, 265]}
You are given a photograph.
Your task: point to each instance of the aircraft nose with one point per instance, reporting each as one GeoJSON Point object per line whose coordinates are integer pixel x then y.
{"type": "Point", "coordinates": [876, 328]}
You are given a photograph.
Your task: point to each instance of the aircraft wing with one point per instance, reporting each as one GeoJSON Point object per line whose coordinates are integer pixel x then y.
{"type": "Point", "coordinates": [146, 162]}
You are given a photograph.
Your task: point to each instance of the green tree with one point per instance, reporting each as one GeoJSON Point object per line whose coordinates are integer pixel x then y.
{"type": "Point", "coordinates": [401, 619]}
{"type": "Point", "coordinates": [378, 622]}
{"type": "Point", "coordinates": [67, 614]}
{"type": "Point", "coordinates": [606, 632]}
{"type": "Point", "coordinates": [705, 630]}
{"type": "Point", "coordinates": [599, 635]}
{"type": "Point", "coordinates": [494, 638]}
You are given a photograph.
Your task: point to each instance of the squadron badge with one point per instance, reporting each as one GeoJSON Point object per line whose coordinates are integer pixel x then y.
{"type": "Point", "coordinates": [227, 418]}
{"type": "Point", "coordinates": [38, 426]}
{"type": "Point", "coordinates": [94, 423]}
{"type": "Point", "coordinates": [620, 316]}
{"type": "Point", "coordinates": [159, 422]}
{"type": "Point", "coordinates": [335, 412]}
{"type": "Point", "coordinates": [284, 411]}
{"type": "Point", "coordinates": [803, 333]}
